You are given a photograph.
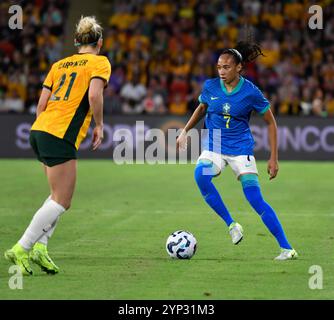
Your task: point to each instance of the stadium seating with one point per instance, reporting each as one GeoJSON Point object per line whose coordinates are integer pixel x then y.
{"type": "Point", "coordinates": [26, 55]}
{"type": "Point", "coordinates": [171, 48]}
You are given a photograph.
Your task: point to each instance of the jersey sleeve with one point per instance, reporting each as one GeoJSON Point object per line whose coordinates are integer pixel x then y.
{"type": "Point", "coordinates": [48, 82]}
{"type": "Point", "coordinates": [260, 103]}
{"type": "Point", "coordinates": [204, 96]}
{"type": "Point", "coordinates": [102, 71]}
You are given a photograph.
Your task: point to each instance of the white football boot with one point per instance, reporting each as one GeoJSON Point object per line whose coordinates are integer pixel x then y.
{"type": "Point", "coordinates": [236, 232]}
{"type": "Point", "coordinates": [287, 254]}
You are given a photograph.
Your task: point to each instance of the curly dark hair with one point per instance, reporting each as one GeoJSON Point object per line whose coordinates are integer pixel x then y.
{"type": "Point", "coordinates": [244, 52]}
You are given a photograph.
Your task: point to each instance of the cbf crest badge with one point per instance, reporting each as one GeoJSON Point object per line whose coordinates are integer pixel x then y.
{"type": "Point", "coordinates": [226, 108]}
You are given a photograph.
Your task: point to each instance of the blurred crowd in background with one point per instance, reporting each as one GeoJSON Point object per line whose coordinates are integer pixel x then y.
{"type": "Point", "coordinates": [162, 51]}
{"type": "Point", "coordinates": [26, 55]}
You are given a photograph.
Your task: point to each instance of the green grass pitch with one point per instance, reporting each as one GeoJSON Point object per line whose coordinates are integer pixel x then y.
{"type": "Point", "coordinates": [111, 243]}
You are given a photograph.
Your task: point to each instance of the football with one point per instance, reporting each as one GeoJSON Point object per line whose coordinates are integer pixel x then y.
{"type": "Point", "coordinates": [181, 245]}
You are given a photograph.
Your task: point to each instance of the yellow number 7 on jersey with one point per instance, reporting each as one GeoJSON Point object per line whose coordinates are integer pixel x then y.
{"type": "Point", "coordinates": [227, 121]}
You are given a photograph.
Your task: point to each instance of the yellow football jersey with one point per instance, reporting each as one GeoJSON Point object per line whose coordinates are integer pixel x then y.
{"type": "Point", "coordinates": [67, 114]}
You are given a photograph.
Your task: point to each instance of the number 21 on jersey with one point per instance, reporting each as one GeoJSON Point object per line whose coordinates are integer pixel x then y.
{"type": "Point", "coordinates": [61, 84]}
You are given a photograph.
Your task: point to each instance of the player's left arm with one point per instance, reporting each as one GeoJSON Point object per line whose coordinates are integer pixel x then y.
{"type": "Point", "coordinates": [272, 133]}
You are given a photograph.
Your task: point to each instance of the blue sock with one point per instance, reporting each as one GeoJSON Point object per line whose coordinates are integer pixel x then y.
{"type": "Point", "coordinates": [251, 187]}
{"type": "Point", "coordinates": [204, 172]}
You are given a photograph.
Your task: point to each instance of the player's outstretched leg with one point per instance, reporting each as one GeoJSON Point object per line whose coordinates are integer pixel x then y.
{"type": "Point", "coordinates": [251, 188]}
{"type": "Point", "coordinates": [204, 172]}
{"type": "Point", "coordinates": [39, 253]}
{"type": "Point", "coordinates": [62, 182]}
{"type": "Point", "coordinates": [19, 256]}
{"type": "Point", "coordinates": [39, 225]}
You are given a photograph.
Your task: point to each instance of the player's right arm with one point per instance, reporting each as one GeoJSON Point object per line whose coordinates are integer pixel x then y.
{"type": "Point", "coordinates": [95, 96]}
{"type": "Point", "coordinates": [99, 80]}
{"type": "Point", "coordinates": [198, 114]}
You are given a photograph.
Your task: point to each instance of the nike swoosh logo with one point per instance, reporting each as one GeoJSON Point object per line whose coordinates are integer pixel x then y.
{"type": "Point", "coordinates": [214, 98]}
{"type": "Point", "coordinates": [248, 165]}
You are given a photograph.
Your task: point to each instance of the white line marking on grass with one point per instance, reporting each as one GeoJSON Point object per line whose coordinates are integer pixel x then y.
{"type": "Point", "coordinates": [111, 211]}
{"type": "Point", "coordinates": [194, 210]}
{"type": "Point", "coordinates": [88, 240]}
{"type": "Point", "coordinates": [303, 213]}
{"type": "Point", "coordinates": [285, 213]}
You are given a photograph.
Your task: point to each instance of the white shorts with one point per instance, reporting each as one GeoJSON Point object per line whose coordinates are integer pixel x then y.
{"type": "Point", "coordinates": [239, 164]}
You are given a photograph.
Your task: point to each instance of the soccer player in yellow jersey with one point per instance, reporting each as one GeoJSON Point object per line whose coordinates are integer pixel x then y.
{"type": "Point", "coordinates": [72, 93]}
